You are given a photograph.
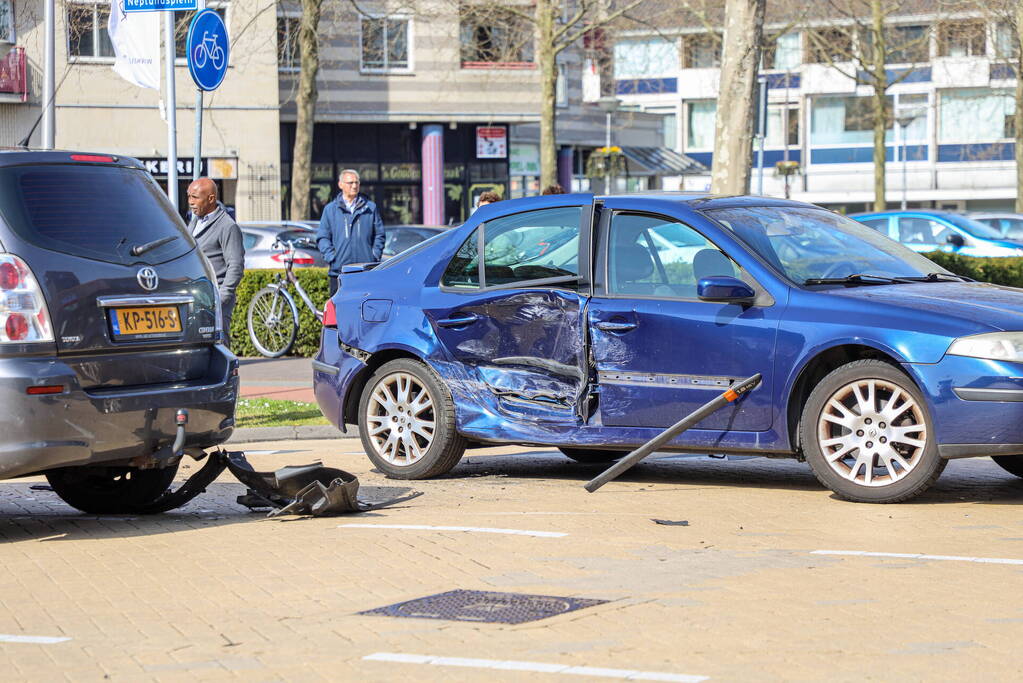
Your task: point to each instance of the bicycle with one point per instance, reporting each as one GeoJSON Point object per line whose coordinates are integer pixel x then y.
{"type": "Point", "coordinates": [272, 315]}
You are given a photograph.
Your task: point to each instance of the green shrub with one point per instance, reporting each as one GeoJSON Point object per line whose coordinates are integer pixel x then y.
{"type": "Point", "coordinates": [316, 284]}
{"type": "Point", "coordinates": [999, 271]}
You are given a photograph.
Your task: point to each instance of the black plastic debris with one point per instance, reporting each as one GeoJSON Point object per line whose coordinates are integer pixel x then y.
{"type": "Point", "coordinates": [671, 522]}
{"type": "Point", "coordinates": [41, 487]}
{"type": "Point", "coordinates": [485, 606]}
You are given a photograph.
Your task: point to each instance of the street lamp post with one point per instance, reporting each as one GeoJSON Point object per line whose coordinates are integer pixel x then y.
{"type": "Point", "coordinates": [905, 119]}
{"type": "Point", "coordinates": [609, 105]}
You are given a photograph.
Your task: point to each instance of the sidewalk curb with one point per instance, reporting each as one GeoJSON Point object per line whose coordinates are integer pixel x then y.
{"type": "Point", "coordinates": [288, 433]}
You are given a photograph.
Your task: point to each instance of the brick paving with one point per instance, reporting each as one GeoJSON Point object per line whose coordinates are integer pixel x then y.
{"type": "Point", "coordinates": [214, 592]}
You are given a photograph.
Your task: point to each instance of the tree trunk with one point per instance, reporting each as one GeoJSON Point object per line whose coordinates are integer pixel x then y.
{"type": "Point", "coordinates": [733, 124]}
{"type": "Point", "coordinates": [880, 108]}
{"type": "Point", "coordinates": [305, 105]}
{"type": "Point", "coordinates": [546, 61]}
{"type": "Point", "coordinates": [1018, 117]}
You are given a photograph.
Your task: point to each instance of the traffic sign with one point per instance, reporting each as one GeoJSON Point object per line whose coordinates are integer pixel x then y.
{"type": "Point", "coordinates": [159, 5]}
{"type": "Point", "coordinates": [207, 50]}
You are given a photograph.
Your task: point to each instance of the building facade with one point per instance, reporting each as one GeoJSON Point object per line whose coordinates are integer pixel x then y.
{"type": "Point", "coordinates": [949, 143]}
{"type": "Point", "coordinates": [97, 110]}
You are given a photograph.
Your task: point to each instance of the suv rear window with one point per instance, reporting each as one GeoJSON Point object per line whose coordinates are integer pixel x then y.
{"type": "Point", "coordinates": [100, 212]}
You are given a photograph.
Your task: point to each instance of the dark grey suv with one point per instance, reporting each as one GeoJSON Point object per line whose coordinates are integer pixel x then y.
{"type": "Point", "coordinates": [109, 325]}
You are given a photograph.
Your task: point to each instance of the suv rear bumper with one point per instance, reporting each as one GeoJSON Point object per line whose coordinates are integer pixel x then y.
{"type": "Point", "coordinates": [78, 427]}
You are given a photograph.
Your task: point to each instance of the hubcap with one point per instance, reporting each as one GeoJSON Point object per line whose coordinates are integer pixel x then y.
{"type": "Point", "coordinates": [872, 432]}
{"type": "Point", "coordinates": [400, 419]}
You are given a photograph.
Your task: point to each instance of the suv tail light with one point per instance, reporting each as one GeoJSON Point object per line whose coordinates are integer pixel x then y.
{"type": "Point", "coordinates": [23, 314]}
{"type": "Point", "coordinates": [329, 314]}
{"type": "Point", "coordinates": [300, 258]}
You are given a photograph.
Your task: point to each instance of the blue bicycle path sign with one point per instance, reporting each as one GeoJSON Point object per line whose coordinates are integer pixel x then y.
{"type": "Point", "coordinates": [207, 50]}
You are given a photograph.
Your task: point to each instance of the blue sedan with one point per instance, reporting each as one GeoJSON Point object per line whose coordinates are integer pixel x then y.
{"type": "Point", "coordinates": [591, 324]}
{"type": "Point", "coordinates": [925, 231]}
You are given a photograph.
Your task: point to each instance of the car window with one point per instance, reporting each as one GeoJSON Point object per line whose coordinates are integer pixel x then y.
{"type": "Point", "coordinates": [879, 224]}
{"type": "Point", "coordinates": [1013, 228]}
{"type": "Point", "coordinates": [99, 212]}
{"type": "Point", "coordinates": [303, 239]}
{"type": "Point", "coordinates": [640, 264]}
{"type": "Point", "coordinates": [917, 230]}
{"type": "Point", "coordinates": [464, 269]}
{"type": "Point", "coordinates": [249, 240]}
{"type": "Point", "coordinates": [400, 239]}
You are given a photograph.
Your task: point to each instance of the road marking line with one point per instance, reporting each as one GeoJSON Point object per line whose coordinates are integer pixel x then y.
{"type": "Point", "coordinates": [477, 529]}
{"type": "Point", "coordinates": [538, 667]}
{"type": "Point", "coordinates": [40, 640]}
{"type": "Point", "coordinates": [917, 556]}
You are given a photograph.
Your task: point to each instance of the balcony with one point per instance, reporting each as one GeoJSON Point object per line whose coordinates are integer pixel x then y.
{"type": "Point", "coordinates": [13, 76]}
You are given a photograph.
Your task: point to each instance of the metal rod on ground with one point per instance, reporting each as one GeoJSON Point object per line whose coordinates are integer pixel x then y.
{"type": "Point", "coordinates": [197, 159]}
{"type": "Point", "coordinates": [718, 402]}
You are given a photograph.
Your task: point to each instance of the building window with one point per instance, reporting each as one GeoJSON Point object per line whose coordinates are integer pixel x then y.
{"type": "Point", "coordinates": [782, 126]}
{"type": "Point", "coordinates": [87, 30]}
{"type": "Point", "coordinates": [783, 52]}
{"type": "Point", "coordinates": [385, 44]}
{"type": "Point", "coordinates": [848, 121]}
{"type": "Point", "coordinates": [494, 37]}
{"type": "Point", "coordinates": [669, 131]}
{"type": "Point", "coordinates": [827, 45]}
{"type": "Point", "coordinates": [7, 21]}
{"type": "Point", "coordinates": [906, 44]}
{"type": "Point", "coordinates": [975, 115]}
{"type": "Point", "coordinates": [700, 128]}
{"type": "Point", "coordinates": [645, 58]}
{"type": "Point", "coordinates": [962, 39]}
{"type": "Point", "coordinates": [289, 52]}
{"type": "Point", "coordinates": [561, 86]}
{"type": "Point", "coordinates": [181, 23]}
{"type": "Point", "coordinates": [701, 51]}
{"type": "Point", "coordinates": [1006, 42]}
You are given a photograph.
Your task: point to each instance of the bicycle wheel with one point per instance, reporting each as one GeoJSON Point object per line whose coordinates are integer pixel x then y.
{"type": "Point", "coordinates": [272, 321]}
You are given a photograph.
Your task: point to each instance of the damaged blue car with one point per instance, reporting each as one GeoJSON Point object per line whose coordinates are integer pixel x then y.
{"type": "Point", "coordinates": [591, 324]}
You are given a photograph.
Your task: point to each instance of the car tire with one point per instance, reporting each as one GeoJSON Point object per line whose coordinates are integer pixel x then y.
{"type": "Point", "coordinates": [111, 490]}
{"type": "Point", "coordinates": [1013, 464]}
{"type": "Point", "coordinates": [588, 455]}
{"type": "Point", "coordinates": [399, 404]}
{"type": "Point", "coordinates": [848, 418]}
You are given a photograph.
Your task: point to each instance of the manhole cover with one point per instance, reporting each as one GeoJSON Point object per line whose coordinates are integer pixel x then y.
{"type": "Point", "coordinates": [498, 608]}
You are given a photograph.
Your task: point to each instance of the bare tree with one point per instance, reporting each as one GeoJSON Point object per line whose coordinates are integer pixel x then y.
{"type": "Point", "coordinates": [733, 125]}
{"type": "Point", "coordinates": [305, 107]}
{"type": "Point", "coordinates": [859, 41]}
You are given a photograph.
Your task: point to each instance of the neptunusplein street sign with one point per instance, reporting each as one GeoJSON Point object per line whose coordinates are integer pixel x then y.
{"type": "Point", "coordinates": [160, 5]}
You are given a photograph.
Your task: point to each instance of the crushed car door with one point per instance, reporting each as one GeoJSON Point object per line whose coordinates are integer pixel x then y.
{"type": "Point", "coordinates": [511, 322]}
{"type": "Point", "coordinates": [661, 352]}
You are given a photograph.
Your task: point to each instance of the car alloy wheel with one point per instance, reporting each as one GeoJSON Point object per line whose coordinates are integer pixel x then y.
{"type": "Point", "coordinates": [400, 419]}
{"type": "Point", "coordinates": [871, 432]}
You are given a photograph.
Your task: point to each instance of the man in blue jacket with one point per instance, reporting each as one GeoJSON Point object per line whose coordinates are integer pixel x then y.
{"type": "Point", "coordinates": [351, 230]}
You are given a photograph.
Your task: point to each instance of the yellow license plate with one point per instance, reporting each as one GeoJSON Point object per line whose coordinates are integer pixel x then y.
{"type": "Point", "coordinates": [146, 320]}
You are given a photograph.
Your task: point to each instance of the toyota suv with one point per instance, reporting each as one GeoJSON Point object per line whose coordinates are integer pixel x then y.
{"type": "Point", "coordinates": [110, 332]}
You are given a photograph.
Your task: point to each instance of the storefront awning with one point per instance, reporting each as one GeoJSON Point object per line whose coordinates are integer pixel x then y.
{"type": "Point", "coordinates": [661, 161]}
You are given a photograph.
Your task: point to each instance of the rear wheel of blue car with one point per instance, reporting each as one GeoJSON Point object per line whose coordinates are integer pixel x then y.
{"type": "Point", "coordinates": [101, 490]}
{"type": "Point", "coordinates": [867, 434]}
{"type": "Point", "coordinates": [407, 422]}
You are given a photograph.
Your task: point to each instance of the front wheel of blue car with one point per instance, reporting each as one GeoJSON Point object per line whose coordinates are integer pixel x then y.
{"type": "Point", "coordinates": [868, 436]}
{"type": "Point", "coordinates": [407, 422]}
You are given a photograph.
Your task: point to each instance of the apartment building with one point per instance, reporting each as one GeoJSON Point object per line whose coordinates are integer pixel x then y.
{"type": "Point", "coordinates": [404, 90]}
{"type": "Point", "coordinates": [96, 110]}
{"type": "Point", "coordinates": [954, 95]}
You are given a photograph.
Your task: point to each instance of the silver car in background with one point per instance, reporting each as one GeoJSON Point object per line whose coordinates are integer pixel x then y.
{"type": "Point", "coordinates": [1010, 225]}
{"type": "Point", "coordinates": [258, 240]}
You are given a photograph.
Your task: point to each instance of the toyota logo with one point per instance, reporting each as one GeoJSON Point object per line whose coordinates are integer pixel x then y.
{"type": "Point", "coordinates": [148, 278]}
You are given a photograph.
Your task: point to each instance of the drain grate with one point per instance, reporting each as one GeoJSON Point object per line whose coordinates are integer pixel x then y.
{"type": "Point", "coordinates": [485, 606]}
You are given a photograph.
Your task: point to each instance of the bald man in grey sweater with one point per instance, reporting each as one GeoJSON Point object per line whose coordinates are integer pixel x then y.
{"type": "Point", "coordinates": [220, 239]}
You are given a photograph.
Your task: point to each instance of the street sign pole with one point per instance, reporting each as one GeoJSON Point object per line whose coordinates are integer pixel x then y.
{"type": "Point", "coordinates": [197, 158]}
{"type": "Point", "coordinates": [172, 113]}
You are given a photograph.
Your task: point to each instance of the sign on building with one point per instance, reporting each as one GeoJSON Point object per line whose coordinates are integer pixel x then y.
{"type": "Point", "coordinates": [525, 160]}
{"type": "Point", "coordinates": [160, 5]}
{"type": "Point", "coordinates": [491, 142]}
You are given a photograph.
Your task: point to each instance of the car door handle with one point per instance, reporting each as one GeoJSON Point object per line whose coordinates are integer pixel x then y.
{"type": "Point", "coordinates": [458, 321]}
{"type": "Point", "coordinates": [616, 327]}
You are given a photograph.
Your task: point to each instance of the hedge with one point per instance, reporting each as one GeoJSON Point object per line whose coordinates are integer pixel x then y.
{"type": "Point", "coordinates": [316, 284]}
{"type": "Point", "coordinates": [1000, 271]}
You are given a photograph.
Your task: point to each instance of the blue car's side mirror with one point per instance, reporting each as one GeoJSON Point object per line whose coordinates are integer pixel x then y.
{"type": "Point", "coordinates": [725, 289]}
{"type": "Point", "coordinates": [956, 240]}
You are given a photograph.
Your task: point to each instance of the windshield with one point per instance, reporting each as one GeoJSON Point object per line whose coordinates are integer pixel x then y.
{"type": "Point", "coordinates": [975, 228]}
{"type": "Point", "coordinates": [808, 243]}
{"type": "Point", "coordinates": [100, 212]}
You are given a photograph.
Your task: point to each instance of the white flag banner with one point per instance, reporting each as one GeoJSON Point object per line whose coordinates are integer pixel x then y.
{"type": "Point", "coordinates": [136, 41]}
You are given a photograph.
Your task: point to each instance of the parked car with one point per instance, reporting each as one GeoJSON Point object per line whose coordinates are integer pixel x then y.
{"type": "Point", "coordinates": [926, 231]}
{"type": "Point", "coordinates": [109, 324]}
{"type": "Point", "coordinates": [260, 252]}
{"type": "Point", "coordinates": [1008, 225]}
{"type": "Point", "coordinates": [878, 365]}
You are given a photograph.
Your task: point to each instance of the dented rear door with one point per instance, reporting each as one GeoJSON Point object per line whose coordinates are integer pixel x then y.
{"type": "Point", "coordinates": [510, 325]}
